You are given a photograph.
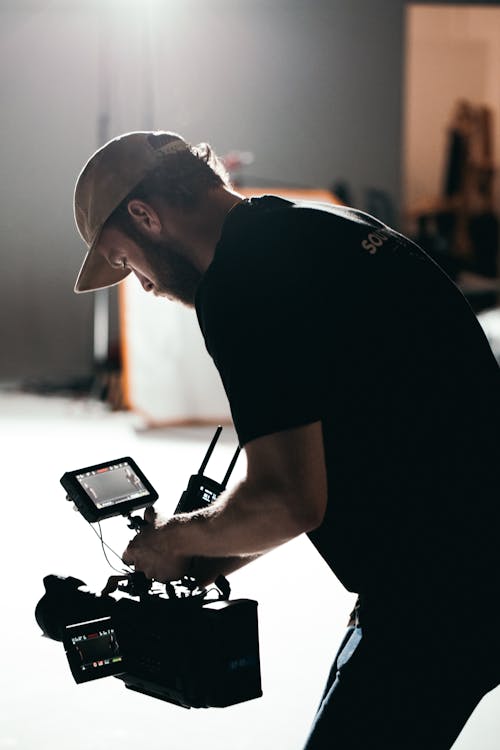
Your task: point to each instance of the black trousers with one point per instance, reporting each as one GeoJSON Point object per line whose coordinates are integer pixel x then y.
{"type": "Point", "coordinates": [406, 682]}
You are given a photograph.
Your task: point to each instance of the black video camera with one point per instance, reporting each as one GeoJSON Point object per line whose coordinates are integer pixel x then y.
{"type": "Point", "coordinates": [184, 644]}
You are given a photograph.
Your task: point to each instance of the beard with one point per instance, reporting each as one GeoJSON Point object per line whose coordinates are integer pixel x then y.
{"type": "Point", "coordinates": [173, 275]}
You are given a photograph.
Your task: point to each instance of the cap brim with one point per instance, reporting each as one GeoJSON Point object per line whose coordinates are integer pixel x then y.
{"type": "Point", "coordinates": [96, 273]}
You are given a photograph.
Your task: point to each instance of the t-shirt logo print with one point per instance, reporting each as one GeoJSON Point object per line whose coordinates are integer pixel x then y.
{"type": "Point", "coordinates": [374, 241]}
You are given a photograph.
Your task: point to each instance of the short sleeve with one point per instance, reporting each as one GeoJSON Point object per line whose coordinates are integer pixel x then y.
{"type": "Point", "coordinates": [259, 320]}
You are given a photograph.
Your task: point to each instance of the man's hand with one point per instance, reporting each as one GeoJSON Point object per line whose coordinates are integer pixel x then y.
{"type": "Point", "coordinates": [152, 551]}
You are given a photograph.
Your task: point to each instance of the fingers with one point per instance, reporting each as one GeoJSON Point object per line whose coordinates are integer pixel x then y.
{"type": "Point", "coordinates": [139, 561]}
{"type": "Point", "coordinates": [150, 514]}
{"type": "Point", "coordinates": [149, 553]}
{"type": "Point", "coordinates": [138, 554]}
{"type": "Point", "coordinates": [140, 545]}
{"type": "Point", "coordinates": [127, 557]}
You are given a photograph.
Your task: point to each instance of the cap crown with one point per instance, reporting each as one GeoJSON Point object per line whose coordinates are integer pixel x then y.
{"type": "Point", "coordinates": [112, 172]}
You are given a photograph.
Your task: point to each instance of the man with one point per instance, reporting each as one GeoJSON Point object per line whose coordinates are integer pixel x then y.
{"type": "Point", "coordinates": [367, 400]}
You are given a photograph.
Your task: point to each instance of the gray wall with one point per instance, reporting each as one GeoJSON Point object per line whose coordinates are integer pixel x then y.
{"type": "Point", "coordinates": [312, 87]}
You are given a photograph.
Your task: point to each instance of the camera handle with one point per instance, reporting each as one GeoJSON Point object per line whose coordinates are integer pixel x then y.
{"type": "Point", "coordinates": [136, 523]}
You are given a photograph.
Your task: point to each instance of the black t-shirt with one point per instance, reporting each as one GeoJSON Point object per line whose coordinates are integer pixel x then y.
{"type": "Point", "coordinates": [322, 313]}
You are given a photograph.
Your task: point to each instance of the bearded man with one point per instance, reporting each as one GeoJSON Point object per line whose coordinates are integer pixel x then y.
{"type": "Point", "coordinates": [367, 400]}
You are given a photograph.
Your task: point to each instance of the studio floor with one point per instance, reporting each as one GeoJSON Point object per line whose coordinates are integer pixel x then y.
{"type": "Point", "coordinates": [302, 607]}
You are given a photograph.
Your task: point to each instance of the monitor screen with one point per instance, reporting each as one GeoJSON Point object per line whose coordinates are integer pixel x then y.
{"type": "Point", "coordinates": [109, 485]}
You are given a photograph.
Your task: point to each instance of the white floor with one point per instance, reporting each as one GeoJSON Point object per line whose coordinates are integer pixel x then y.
{"type": "Point", "coordinates": [302, 608]}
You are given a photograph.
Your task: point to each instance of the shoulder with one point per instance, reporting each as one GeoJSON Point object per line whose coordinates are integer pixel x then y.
{"type": "Point", "coordinates": [277, 246]}
{"type": "Point", "coordinates": [270, 230]}
{"type": "Point", "coordinates": [272, 214]}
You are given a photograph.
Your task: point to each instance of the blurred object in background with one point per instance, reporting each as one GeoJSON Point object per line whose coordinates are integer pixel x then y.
{"type": "Point", "coordinates": [378, 203]}
{"type": "Point", "coordinates": [167, 377]}
{"type": "Point", "coordinates": [235, 162]}
{"type": "Point", "coordinates": [342, 190]}
{"type": "Point", "coordinates": [460, 228]}
{"type": "Point", "coordinates": [451, 141]}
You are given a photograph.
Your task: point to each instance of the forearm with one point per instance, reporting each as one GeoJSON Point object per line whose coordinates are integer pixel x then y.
{"type": "Point", "coordinates": [284, 495]}
{"type": "Point", "coordinates": [207, 569]}
{"type": "Point", "coordinates": [249, 520]}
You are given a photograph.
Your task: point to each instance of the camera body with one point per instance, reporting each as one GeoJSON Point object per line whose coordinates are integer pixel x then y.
{"type": "Point", "coordinates": [176, 644]}
{"type": "Point", "coordinates": [190, 646]}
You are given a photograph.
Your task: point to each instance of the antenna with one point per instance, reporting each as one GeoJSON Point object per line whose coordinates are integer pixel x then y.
{"type": "Point", "coordinates": [230, 468]}
{"type": "Point", "coordinates": [210, 450]}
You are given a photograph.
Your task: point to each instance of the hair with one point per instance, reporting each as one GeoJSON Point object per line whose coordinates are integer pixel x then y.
{"type": "Point", "coordinates": [180, 179]}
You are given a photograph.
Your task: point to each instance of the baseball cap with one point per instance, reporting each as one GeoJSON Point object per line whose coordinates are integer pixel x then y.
{"type": "Point", "coordinates": [105, 180]}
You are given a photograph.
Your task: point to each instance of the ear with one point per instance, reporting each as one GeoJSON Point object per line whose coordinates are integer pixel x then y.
{"type": "Point", "coordinates": [144, 216]}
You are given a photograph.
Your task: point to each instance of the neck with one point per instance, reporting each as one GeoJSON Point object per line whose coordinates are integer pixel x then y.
{"type": "Point", "coordinates": [200, 229]}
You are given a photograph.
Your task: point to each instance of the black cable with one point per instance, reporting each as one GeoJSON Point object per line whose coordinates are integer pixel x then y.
{"type": "Point", "coordinates": [103, 545]}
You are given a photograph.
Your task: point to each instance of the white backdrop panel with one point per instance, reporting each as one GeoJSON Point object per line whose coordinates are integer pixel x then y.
{"type": "Point", "coordinates": [169, 375]}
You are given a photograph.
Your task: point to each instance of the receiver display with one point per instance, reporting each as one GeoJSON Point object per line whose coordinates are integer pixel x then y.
{"type": "Point", "coordinates": [93, 650]}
